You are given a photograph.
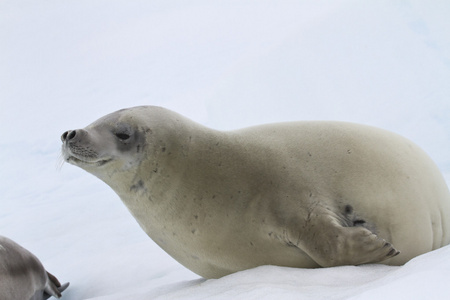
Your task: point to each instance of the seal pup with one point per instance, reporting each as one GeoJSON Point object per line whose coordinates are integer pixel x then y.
{"type": "Point", "coordinates": [299, 194]}
{"type": "Point", "coordinates": [22, 276]}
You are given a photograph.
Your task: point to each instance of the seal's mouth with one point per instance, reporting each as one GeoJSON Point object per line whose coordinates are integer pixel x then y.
{"type": "Point", "coordinates": [77, 161]}
{"type": "Point", "coordinates": [76, 156]}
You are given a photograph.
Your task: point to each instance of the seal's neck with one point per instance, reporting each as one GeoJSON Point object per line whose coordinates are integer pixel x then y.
{"type": "Point", "coordinates": [178, 153]}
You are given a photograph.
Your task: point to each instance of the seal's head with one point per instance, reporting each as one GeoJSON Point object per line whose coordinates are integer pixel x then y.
{"type": "Point", "coordinates": [112, 145]}
{"type": "Point", "coordinates": [128, 148]}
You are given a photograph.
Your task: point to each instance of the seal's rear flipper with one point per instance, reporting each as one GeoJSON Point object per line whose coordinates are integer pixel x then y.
{"type": "Point", "coordinates": [63, 287]}
{"type": "Point", "coordinates": [54, 288]}
{"type": "Point", "coordinates": [60, 290]}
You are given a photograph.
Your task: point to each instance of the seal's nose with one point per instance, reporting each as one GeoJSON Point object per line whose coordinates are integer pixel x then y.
{"type": "Point", "coordinates": [68, 135]}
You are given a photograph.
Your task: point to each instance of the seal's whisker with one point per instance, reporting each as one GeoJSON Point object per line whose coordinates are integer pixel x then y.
{"type": "Point", "coordinates": [60, 161]}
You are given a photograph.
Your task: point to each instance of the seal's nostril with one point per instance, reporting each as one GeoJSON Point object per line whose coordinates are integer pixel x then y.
{"type": "Point", "coordinates": [68, 135]}
{"type": "Point", "coordinates": [71, 134]}
{"type": "Point", "coordinates": [64, 136]}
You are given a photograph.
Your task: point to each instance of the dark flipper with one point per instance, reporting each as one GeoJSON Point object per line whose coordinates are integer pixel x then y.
{"type": "Point", "coordinates": [54, 287]}
{"type": "Point", "coordinates": [60, 290]}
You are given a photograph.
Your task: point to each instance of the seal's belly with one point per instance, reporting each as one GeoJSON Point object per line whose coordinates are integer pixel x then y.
{"type": "Point", "coordinates": [213, 253]}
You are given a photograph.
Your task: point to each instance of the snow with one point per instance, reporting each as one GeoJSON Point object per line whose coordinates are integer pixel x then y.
{"type": "Point", "coordinates": [227, 65]}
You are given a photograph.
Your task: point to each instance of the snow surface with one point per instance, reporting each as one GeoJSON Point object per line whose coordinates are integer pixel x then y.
{"type": "Point", "coordinates": [225, 64]}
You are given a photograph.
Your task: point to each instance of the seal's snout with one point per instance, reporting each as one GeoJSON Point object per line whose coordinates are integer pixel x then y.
{"type": "Point", "coordinates": [68, 135]}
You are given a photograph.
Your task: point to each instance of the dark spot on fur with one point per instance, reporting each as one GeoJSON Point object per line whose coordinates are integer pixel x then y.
{"type": "Point", "coordinates": [163, 149]}
{"type": "Point", "coordinates": [359, 222]}
{"type": "Point", "coordinates": [137, 187]}
{"type": "Point", "coordinates": [138, 148]}
{"type": "Point", "coordinates": [351, 219]}
{"type": "Point", "coordinates": [348, 209]}
{"type": "Point", "coordinates": [196, 217]}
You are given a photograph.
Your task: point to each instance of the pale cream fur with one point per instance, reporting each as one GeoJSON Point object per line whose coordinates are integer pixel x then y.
{"type": "Point", "coordinates": [300, 194]}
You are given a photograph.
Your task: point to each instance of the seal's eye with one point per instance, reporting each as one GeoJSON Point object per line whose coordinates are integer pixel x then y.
{"type": "Point", "coordinates": [123, 136]}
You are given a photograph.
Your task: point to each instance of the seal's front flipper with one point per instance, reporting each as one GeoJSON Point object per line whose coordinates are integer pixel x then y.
{"type": "Point", "coordinates": [356, 246]}
{"type": "Point", "coordinates": [330, 243]}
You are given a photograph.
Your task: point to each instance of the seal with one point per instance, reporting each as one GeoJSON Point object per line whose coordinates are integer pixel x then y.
{"type": "Point", "coordinates": [300, 194]}
{"type": "Point", "coordinates": [23, 276]}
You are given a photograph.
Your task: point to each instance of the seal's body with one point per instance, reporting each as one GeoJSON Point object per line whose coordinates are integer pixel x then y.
{"type": "Point", "coordinates": [302, 194]}
{"type": "Point", "coordinates": [22, 276]}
